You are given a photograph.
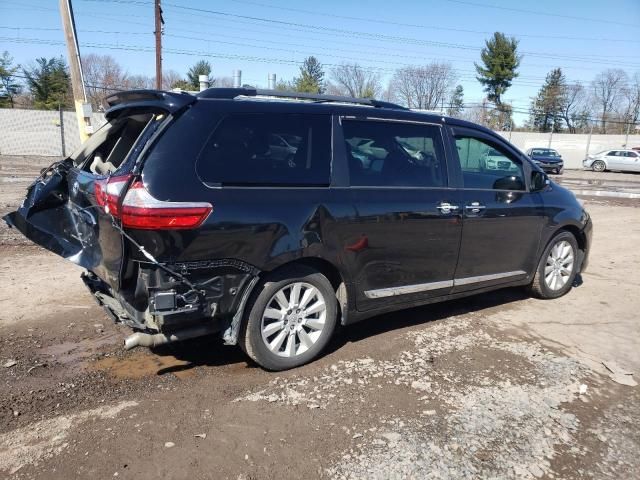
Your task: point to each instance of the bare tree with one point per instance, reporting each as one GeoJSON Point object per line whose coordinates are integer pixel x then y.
{"type": "Point", "coordinates": [389, 94]}
{"type": "Point", "coordinates": [607, 90]}
{"type": "Point", "coordinates": [478, 113]}
{"type": "Point", "coordinates": [630, 112]}
{"type": "Point", "coordinates": [170, 78]}
{"type": "Point", "coordinates": [223, 82]}
{"type": "Point", "coordinates": [573, 104]}
{"type": "Point", "coordinates": [103, 76]}
{"type": "Point", "coordinates": [353, 80]}
{"type": "Point", "coordinates": [424, 87]}
{"type": "Point", "coordinates": [140, 82]}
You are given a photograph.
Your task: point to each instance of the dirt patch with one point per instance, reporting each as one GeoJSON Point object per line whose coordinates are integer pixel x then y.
{"type": "Point", "coordinates": [141, 364]}
{"type": "Point", "coordinates": [47, 438]}
{"type": "Point", "coordinates": [496, 385]}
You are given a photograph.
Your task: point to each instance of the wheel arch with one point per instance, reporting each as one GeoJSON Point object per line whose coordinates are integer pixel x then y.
{"type": "Point", "coordinates": [329, 270]}
{"type": "Point", "coordinates": [576, 232]}
{"type": "Point", "coordinates": [603, 160]}
{"type": "Point", "coordinates": [581, 239]}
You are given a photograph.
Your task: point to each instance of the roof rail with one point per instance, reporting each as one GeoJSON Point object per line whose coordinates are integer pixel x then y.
{"type": "Point", "coordinates": [230, 93]}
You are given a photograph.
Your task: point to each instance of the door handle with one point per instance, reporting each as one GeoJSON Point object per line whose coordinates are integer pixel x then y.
{"type": "Point", "coordinates": [446, 208]}
{"type": "Point", "coordinates": [475, 207]}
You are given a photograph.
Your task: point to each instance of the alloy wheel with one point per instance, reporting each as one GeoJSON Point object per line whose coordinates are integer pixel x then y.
{"type": "Point", "coordinates": [559, 265]}
{"type": "Point", "coordinates": [293, 320]}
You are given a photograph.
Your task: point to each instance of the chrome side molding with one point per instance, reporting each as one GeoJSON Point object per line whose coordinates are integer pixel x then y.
{"type": "Point", "coordinates": [486, 278]}
{"type": "Point", "coordinates": [423, 287]}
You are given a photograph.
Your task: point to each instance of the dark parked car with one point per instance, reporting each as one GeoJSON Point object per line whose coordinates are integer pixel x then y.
{"type": "Point", "coordinates": [188, 224]}
{"type": "Point", "coordinates": [547, 159]}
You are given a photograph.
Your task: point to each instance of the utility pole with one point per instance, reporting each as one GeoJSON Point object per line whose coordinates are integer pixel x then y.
{"type": "Point", "coordinates": [158, 32]}
{"type": "Point", "coordinates": [83, 109]}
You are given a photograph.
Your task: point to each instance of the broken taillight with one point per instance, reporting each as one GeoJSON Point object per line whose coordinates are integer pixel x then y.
{"type": "Point", "coordinates": [139, 209]}
{"type": "Point", "coordinates": [108, 193]}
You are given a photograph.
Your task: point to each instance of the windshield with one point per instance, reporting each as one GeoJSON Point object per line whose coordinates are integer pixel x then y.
{"type": "Point", "coordinates": [540, 152]}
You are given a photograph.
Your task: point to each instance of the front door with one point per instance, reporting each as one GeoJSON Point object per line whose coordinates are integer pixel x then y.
{"type": "Point", "coordinates": [501, 219]}
{"type": "Point", "coordinates": [633, 161]}
{"type": "Point", "coordinates": [403, 240]}
{"type": "Point", "coordinates": [616, 160]}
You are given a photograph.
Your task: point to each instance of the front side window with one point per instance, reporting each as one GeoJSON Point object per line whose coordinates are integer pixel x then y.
{"type": "Point", "coordinates": [394, 154]}
{"type": "Point", "coordinates": [268, 149]}
{"type": "Point", "coordinates": [486, 166]}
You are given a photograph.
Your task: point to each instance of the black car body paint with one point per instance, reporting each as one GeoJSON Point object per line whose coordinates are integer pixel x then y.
{"type": "Point", "coordinates": [385, 248]}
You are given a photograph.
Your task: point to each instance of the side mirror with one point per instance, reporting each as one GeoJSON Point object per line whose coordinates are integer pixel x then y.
{"type": "Point", "coordinates": [539, 181]}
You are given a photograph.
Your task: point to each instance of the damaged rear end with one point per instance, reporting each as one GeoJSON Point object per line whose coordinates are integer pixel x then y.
{"type": "Point", "coordinates": [93, 209]}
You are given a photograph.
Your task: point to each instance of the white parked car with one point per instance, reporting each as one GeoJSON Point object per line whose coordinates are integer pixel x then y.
{"type": "Point", "coordinates": [623, 160]}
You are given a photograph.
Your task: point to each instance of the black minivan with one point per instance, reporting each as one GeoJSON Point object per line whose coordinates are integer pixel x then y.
{"type": "Point", "coordinates": [270, 217]}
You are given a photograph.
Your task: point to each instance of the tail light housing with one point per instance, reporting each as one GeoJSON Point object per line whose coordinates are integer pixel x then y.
{"type": "Point", "coordinates": [139, 209]}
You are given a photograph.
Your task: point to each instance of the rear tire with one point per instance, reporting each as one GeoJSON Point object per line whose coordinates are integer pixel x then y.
{"type": "Point", "coordinates": [598, 166]}
{"type": "Point", "coordinates": [291, 317]}
{"type": "Point", "coordinates": [557, 267]}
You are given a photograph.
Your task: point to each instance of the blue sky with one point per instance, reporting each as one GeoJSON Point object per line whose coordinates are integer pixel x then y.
{"type": "Point", "coordinates": [272, 36]}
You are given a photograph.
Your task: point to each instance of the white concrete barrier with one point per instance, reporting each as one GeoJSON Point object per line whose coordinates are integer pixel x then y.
{"type": "Point", "coordinates": [572, 147]}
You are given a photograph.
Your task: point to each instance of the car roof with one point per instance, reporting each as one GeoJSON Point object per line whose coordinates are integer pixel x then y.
{"type": "Point", "coordinates": [279, 101]}
{"type": "Point", "coordinates": [346, 109]}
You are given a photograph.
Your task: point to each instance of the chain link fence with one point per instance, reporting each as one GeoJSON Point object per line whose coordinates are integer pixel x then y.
{"type": "Point", "coordinates": [40, 132]}
{"type": "Point", "coordinates": [55, 134]}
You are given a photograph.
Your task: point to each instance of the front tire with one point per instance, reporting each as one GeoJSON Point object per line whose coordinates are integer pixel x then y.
{"type": "Point", "coordinates": [598, 166]}
{"type": "Point", "coordinates": [557, 267]}
{"type": "Point", "coordinates": [291, 318]}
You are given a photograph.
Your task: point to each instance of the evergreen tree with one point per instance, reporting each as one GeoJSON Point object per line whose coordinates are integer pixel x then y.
{"type": "Point", "coordinates": [456, 105]}
{"type": "Point", "coordinates": [49, 83]}
{"type": "Point", "coordinates": [9, 88]}
{"type": "Point", "coordinates": [311, 79]}
{"type": "Point", "coordinates": [202, 67]}
{"type": "Point", "coordinates": [500, 61]}
{"type": "Point", "coordinates": [548, 106]}
{"type": "Point", "coordinates": [182, 85]}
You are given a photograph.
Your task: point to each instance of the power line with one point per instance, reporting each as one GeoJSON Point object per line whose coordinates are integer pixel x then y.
{"type": "Point", "coordinates": [535, 12]}
{"type": "Point", "coordinates": [324, 54]}
{"type": "Point", "coordinates": [205, 53]}
{"type": "Point", "coordinates": [210, 34]}
{"type": "Point", "coordinates": [468, 105]}
{"type": "Point", "coordinates": [394, 38]}
{"type": "Point", "coordinates": [389, 22]}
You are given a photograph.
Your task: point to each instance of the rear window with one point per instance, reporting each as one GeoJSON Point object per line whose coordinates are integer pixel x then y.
{"type": "Point", "coordinates": [268, 149]}
{"type": "Point", "coordinates": [107, 149]}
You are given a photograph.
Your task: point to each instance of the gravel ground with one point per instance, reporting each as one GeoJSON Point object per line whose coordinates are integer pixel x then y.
{"type": "Point", "coordinates": [495, 386]}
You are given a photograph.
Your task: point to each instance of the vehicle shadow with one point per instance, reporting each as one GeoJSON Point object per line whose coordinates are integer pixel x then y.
{"type": "Point", "coordinates": [211, 351]}
{"type": "Point", "coordinates": [208, 351]}
{"type": "Point", "coordinates": [423, 315]}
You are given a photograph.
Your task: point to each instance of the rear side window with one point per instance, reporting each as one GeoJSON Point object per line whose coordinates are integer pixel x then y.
{"type": "Point", "coordinates": [394, 154]}
{"type": "Point", "coordinates": [268, 149]}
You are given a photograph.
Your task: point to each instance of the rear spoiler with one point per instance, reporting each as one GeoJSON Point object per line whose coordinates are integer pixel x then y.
{"type": "Point", "coordinates": [152, 99]}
